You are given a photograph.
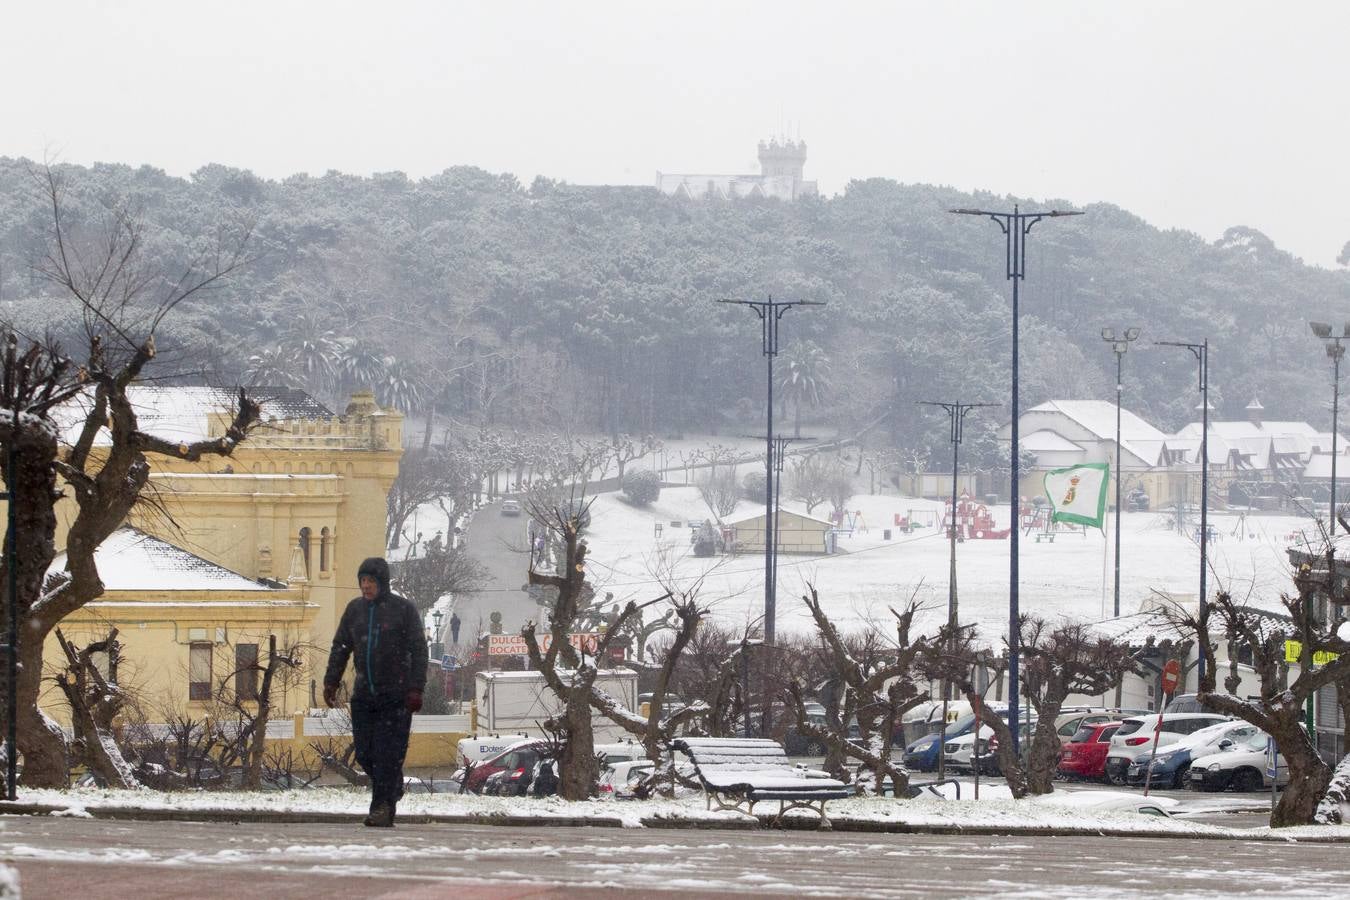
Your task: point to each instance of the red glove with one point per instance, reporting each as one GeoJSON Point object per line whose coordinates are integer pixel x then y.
{"type": "Point", "coordinates": [413, 701]}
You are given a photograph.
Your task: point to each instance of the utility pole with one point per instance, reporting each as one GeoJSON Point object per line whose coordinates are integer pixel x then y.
{"type": "Point", "coordinates": [1119, 345]}
{"type": "Point", "coordinates": [957, 413]}
{"type": "Point", "coordinates": [1016, 226]}
{"type": "Point", "coordinates": [770, 312]}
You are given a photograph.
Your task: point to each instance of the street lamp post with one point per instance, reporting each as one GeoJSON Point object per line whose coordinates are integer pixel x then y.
{"type": "Point", "coordinates": [957, 413]}
{"type": "Point", "coordinates": [1119, 345]}
{"type": "Point", "coordinates": [1016, 226]}
{"type": "Point", "coordinates": [1201, 353]}
{"type": "Point", "coordinates": [770, 312]}
{"type": "Point", "coordinates": [1335, 350]}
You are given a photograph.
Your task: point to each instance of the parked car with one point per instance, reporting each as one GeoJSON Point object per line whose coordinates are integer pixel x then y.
{"type": "Point", "coordinates": [1134, 738]}
{"type": "Point", "coordinates": [1184, 703]}
{"type": "Point", "coordinates": [1171, 766]}
{"type": "Point", "coordinates": [922, 755]}
{"type": "Point", "coordinates": [1084, 757]}
{"type": "Point", "coordinates": [961, 750]}
{"type": "Point", "coordinates": [510, 507]}
{"type": "Point", "coordinates": [519, 758]}
{"type": "Point", "coordinates": [1239, 764]}
{"type": "Point", "coordinates": [1069, 721]}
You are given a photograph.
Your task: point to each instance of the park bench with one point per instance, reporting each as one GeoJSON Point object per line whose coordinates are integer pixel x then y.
{"type": "Point", "coordinates": [737, 773]}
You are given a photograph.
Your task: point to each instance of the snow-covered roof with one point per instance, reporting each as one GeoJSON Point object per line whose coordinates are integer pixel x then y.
{"type": "Point", "coordinates": [782, 514]}
{"type": "Point", "coordinates": [1047, 441]}
{"type": "Point", "coordinates": [131, 560]}
{"type": "Point", "coordinates": [183, 413]}
{"type": "Point", "coordinates": [1098, 418]}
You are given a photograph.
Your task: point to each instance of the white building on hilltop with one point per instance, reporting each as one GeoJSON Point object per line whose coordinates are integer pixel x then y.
{"type": "Point", "coordinates": [780, 162]}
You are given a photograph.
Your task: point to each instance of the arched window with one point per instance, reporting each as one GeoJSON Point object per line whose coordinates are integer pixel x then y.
{"type": "Point", "coordinates": [324, 541]}
{"type": "Point", "coordinates": [304, 549]}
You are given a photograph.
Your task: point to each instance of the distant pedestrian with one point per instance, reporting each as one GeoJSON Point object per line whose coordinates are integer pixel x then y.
{"type": "Point", "coordinates": [454, 628]}
{"type": "Point", "coordinates": [382, 633]}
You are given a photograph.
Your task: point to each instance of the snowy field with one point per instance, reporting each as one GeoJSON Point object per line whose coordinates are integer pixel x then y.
{"type": "Point", "coordinates": [1070, 577]}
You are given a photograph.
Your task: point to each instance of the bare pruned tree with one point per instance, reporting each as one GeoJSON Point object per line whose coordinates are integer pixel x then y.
{"type": "Point", "coordinates": [878, 689]}
{"type": "Point", "coordinates": [569, 675]}
{"type": "Point", "coordinates": [106, 465]}
{"type": "Point", "coordinates": [1279, 710]}
{"type": "Point", "coordinates": [719, 490]}
{"type": "Point", "coordinates": [94, 702]}
{"type": "Point", "coordinates": [1056, 662]}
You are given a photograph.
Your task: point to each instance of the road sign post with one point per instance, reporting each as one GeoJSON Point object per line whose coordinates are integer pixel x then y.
{"type": "Point", "coordinates": [1171, 677]}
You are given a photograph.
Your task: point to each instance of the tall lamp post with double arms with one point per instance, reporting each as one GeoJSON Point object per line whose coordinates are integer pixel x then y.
{"type": "Point", "coordinates": [1201, 353]}
{"type": "Point", "coordinates": [1119, 345]}
{"type": "Point", "coordinates": [770, 312]}
{"type": "Point", "coordinates": [957, 413]}
{"type": "Point", "coordinates": [1016, 226]}
{"type": "Point", "coordinates": [1335, 350]}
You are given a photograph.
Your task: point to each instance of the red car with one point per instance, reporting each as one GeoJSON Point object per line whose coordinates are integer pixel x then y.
{"type": "Point", "coordinates": [1085, 754]}
{"type": "Point", "coordinates": [517, 761]}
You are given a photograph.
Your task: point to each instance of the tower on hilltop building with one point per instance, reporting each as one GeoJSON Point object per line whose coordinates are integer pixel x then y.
{"type": "Point", "coordinates": [786, 158]}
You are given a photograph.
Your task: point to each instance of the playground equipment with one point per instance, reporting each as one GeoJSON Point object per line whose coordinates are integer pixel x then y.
{"type": "Point", "coordinates": [973, 521]}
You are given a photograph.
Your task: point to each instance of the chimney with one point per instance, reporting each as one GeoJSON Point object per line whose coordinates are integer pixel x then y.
{"type": "Point", "coordinates": [1254, 410]}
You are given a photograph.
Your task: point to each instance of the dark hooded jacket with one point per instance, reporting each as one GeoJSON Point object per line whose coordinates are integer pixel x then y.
{"type": "Point", "coordinates": [384, 638]}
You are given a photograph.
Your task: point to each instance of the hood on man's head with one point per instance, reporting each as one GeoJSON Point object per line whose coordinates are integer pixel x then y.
{"type": "Point", "coordinates": [376, 568]}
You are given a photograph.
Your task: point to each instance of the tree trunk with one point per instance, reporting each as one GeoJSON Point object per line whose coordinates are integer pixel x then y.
{"type": "Point", "coordinates": [41, 741]}
{"type": "Point", "coordinates": [578, 770]}
{"type": "Point", "coordinates": [1044, 755]}
{"type": "Point", "coordinates": [1308, 776]}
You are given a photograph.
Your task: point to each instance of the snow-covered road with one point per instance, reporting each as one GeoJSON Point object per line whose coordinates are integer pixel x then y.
{"type": "Point", "coordinates": [64, 857]}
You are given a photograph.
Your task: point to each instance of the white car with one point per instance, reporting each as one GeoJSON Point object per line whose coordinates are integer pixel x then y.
{"type": "Point", "coordinates": [1172, 763]}
{"type": "Point", "coordinates": [1241, 765]}
{"type": "Point", "coordinates": [619, 780]}
{"type": "Point", "coordinates": [1134, 738]}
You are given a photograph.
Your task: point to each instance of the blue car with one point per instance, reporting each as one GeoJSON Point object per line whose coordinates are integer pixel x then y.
{"type": "Point", "coordinates": [922, 755]}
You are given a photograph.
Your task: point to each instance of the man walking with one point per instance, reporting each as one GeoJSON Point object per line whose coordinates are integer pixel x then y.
{"type": "Point", "coordinates": [383, 634]}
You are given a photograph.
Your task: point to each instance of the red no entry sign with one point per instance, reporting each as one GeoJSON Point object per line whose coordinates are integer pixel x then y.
{"type": "Point", "coordinates": [1171, 676]}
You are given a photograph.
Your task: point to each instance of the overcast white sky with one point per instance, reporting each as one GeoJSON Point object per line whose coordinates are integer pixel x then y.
{"type": "Point", "coordinates": [1198, 115]}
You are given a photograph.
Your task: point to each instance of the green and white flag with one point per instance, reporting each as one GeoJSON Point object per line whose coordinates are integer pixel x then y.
{"type": "Point", "coordinates": [1078, 493]}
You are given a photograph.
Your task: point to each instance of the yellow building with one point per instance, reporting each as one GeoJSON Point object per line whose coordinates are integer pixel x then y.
{"type": "Point", "coordinates": [276, 531]}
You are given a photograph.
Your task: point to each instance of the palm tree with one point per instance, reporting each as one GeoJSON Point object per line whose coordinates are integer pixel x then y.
{"type": "Point", "coordinates": [360, 365]}
{"type": "Point", "coordinates": [803, 378]}
{"type": "Point", "coordinates": [402, 385]}
{"type": "Point", "coordinates": [271, 368]}
{"type": "Point", "coordinates": [313, 350]}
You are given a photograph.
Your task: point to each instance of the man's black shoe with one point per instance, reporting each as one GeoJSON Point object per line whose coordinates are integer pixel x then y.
{"type": "Point", "coordinates": [381, 816]}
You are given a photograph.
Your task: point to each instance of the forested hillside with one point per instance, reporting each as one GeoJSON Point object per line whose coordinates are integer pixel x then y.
{"type": "Point", "coordinates": [593, 308]}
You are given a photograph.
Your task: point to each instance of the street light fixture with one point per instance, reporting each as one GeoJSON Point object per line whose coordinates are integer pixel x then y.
{"type": "Point", "coordinates": [957, 413]}
{"type": "Point", "coordinates": [1120, 345]}
{"type": "Point", "coordinates": [1335, 350]}
{"type": "Point", "coordinates": [1201, 353]}
{"type": "Point", "coordinates": [1015, 226]}
{"type": "Point", "coordinates": [770, 312]}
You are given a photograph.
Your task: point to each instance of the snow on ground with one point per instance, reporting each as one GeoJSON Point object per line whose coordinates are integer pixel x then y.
{"type": "Point", "coordinates": [1069, 577]}
{"type": "Point", "coordinates": [994, 810]}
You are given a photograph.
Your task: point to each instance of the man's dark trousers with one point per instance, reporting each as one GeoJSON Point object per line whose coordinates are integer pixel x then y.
{"type": "Point", "coordinates": [380, 728]}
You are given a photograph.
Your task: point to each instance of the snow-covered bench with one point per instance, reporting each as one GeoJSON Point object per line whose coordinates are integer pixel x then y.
{"type": "Point", "coordinates": [737, 773]}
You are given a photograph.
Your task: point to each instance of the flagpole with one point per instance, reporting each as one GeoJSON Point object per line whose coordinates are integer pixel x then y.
{"type": "Point", "coordinates": [1106, 555]}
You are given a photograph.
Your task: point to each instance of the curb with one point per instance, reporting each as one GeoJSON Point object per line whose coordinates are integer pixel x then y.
{"type": "Point", "coordinates": [791, 823]}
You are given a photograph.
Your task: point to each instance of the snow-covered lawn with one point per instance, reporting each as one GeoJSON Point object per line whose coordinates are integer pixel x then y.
{"type": "Point", "coordinates": [1062, 811]}
{"type": "Point", "coordinates": [1069, 577]}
